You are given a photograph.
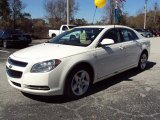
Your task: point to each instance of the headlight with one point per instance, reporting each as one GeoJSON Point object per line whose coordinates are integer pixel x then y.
{"type": "Point", "coordinates": [45, 66]}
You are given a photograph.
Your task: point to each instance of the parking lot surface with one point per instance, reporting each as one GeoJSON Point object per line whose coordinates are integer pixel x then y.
{"type": "Point", "coordinates": [131, 95]}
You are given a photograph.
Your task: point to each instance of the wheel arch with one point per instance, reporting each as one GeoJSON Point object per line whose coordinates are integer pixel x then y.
{"type": "Point", "coordinates": [82, 63]}
{"type": "Point", "coordinates": [139, 66]}
{"type": "Point", "coordinates": [74, 66]}
{"type": "Point", "coordinates": [145, 51]}
{"type": "Point", "coordinates": [53, 35]}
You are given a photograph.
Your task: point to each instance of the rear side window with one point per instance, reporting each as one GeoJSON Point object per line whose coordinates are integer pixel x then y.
{"type": "Point", "coordinates": [128, 35]}
{"type": "Point", "coordinates": [112, 34]}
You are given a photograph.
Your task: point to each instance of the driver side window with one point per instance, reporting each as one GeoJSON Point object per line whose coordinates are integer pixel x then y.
{"type": "Point", "coordinates": [112, 34]}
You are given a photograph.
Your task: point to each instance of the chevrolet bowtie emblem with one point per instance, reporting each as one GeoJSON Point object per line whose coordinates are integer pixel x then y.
{"type": "Point", "coordinates": [10, 66]}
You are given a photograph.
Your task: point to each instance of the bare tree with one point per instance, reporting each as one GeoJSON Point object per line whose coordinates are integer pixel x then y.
{"type": "Point", "coordinates": [16, 6]}
{"type": "Point", "coordinates": [110, 12]}
{"type": "Point", "coordinates": [153, 18]}
{"type": "Point", "coordinates": [56, 12]}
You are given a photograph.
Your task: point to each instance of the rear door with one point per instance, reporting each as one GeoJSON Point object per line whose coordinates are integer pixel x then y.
{"type": "Point", "coordinates": [131, 46]}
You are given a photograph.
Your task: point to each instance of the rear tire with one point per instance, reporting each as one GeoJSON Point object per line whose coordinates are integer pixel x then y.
{"type": "Point", "coordinates": [78, 82]}
{"type": "Point", "coordinates": [143, 61]}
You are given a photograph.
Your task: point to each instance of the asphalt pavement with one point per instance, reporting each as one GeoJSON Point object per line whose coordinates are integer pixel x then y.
{"type": "Point", "coordinates": [128, 96]}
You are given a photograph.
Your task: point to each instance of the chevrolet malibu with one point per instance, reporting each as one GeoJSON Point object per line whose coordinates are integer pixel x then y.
{"type": "Point", "coordinates": [71, 62]}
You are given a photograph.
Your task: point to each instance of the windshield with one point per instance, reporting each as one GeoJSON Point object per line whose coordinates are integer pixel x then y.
{"type": "Point", "coordinates": [1, 33]}
{"type": "Point", "coordinates": [77, 36]}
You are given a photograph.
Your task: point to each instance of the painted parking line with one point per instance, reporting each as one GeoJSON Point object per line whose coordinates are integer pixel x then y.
{"type": "Point", "coordinates": [4, 51]}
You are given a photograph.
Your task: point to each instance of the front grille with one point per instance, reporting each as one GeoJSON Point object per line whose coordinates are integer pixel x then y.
{"type": "Point", "coordinates": [16, 84]}
{"type": "Point", "coordinates": [13, 73]}
{"type": "Point", "coordinates": [17, 63]}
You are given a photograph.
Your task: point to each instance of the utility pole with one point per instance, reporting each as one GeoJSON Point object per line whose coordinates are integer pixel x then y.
{"type": "Point", "coordinates": [116, 12]}
{"type": "Point", "coordinates": [67, 12]}
{"type": "Point", "coordinates": [145, 14]}
{"type": "Point", "coordinates": [111, 11]}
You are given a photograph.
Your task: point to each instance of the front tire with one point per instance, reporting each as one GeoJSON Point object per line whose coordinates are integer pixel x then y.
{"type": "Point", "coordinates": [78, 82]}
{"type": "Point", "coordinates": [143, 61]}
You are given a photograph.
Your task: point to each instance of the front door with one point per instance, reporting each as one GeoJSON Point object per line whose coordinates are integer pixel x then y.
{"type": "Point", "coordinates": [110, 58]}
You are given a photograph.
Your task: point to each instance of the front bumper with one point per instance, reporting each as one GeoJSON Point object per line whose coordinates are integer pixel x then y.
{"type": "Point", "coordinates": [34, 89]}
{"type": "Point", "coordinates": [46, 84]}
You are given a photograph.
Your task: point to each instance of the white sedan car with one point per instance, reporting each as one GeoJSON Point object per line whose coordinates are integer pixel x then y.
{"type": "Point", "coordinates": [70, 65]}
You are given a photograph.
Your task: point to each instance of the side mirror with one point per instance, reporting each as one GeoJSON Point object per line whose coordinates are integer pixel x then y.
{"type": "Point", "coordinates": [107, 42]}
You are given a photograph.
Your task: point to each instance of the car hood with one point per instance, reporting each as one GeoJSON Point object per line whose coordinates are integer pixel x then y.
{"type": "Point", "coordinates": [48, 50]}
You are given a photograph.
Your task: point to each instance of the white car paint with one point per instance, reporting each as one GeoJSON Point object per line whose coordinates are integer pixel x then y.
{"type": "Point", "coordinates": [54, 33]}
{"type": "Point", "coordinates": [106, 61]}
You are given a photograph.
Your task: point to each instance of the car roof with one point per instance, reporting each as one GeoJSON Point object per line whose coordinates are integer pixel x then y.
{"type": "Point", "coordinates": [69, 25]}
{"type": "Point", "coordinates": [7, 29]}
{"type": "Point", "coordinates": [103, 26]}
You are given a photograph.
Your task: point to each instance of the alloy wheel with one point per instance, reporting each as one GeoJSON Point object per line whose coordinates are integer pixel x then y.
{"type": "Point", "coordinates": [80, 83]}
{"type": "Point", "coordinates": [143, 61]}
